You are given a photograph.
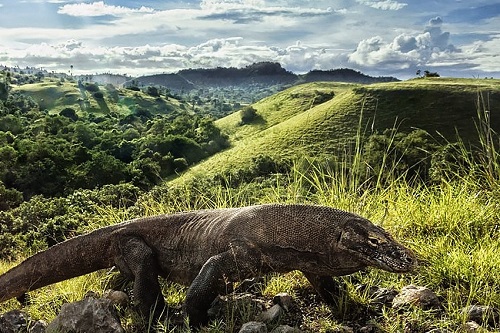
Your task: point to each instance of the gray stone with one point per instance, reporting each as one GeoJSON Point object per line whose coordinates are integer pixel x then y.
{"type": "Point", "coordinates": [13, 321]}
{"type": "Point", "coordinates": [87, 315]}
{"type": "Point", "coordinates": [343, 329]}
{"type": "Point", "coordinates": [421, 297]}
{"type": "Point", "coordinates": [481, 314]}
{"type": "Point", "coordinates": [471, 327]}
{"type": "Point", "coordinates": [117, 297]}
{"type": "Point", "coordinates": [38, 326]}
{"type": "Point", "coordinates": [286, 329]}
{"type": "Point", "coordinates": [370, 328]}
{"type": "Point", "coordinates": [272, 314]}
{"type": "Point", "coordinates": [383, 296]}
{"type": "Point", "coordinates": [283, 299]}
{"type": "Point", "coordinates": [16, 321]}
{"type": "Point", "coordinates": [253, 327]}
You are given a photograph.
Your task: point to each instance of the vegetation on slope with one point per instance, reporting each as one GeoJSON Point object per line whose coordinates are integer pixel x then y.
{"type": "Point", "coordinates": [291, 123]}
{"type": "Point", "coordinates": [55, 152]}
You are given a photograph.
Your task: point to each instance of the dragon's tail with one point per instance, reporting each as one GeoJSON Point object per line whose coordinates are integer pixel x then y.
{"type": "Point", "coordinates": [74, 257]}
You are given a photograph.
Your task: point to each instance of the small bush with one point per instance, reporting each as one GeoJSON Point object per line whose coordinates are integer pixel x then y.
{"type": "Point", "coordinates": [69, 113]}
{"type": "Point", "coordinates": [92, 87]}
{"type": "Point", "coordinates": [248, 115]}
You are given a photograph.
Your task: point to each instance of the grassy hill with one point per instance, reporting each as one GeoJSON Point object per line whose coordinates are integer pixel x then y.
{"type": "Point", "coordinates": [324, 118]}
{"type": "Point", "coordinates": [56, 95]}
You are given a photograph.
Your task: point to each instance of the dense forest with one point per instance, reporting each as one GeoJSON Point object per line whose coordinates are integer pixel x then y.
{"type": "Point", "coordinates": [48, 154]}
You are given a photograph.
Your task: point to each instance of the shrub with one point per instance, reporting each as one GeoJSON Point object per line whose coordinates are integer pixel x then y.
{"type": "Point", "coordinates": [248, 115]}
{"type": "Point", "coordinates": [92, 87]}
{"type": "Point", "coordinates": [69, 113]}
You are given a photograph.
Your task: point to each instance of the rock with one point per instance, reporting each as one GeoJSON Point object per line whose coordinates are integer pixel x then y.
{"type": "Point", "coordinates": [221, 303]}
{"type": "Point", "coordinates": [343, 329]}
{"type": "Point", "coordinates": [38, 326]}
{"type": "Point", "coordinates": [17, 321]}
{"type": "Point", "coordinates": [13, 321]}
{"type": "Point", "coordinates": [286, 329]}
{"type": "Point", "coordinates": [272, 314]}
{"type": "Point", "coordinates": [439, 330]}
{"type": "Point", "coordinates": [482, 314]}
{"type": "Point", "coordinates": [253, 327]}
{"type": "Point", "coordinates": [117, 297]}
{"type": "Point", "coordinates": [416, 296]}
{"type": "Point", "coordinates": [383, 296]}
{"type": "Point", "coordinates": [87, 315]}
{"type": "Point", "coordinates": [283, 299]}
{"type": "Point", "coordinates": [471, 326]}
{"type": "Point", "coordinates": [370, 328]}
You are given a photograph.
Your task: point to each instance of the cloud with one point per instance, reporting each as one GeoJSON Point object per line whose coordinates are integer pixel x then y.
{"type": "Point", "coordinates": [99, 9]}
{"type": "Point", "coordinates": [383, 5]}
{"type": "Point", "coordinates": [149, 59]}
{"type": "Point", "coordinates": [406, 50]}
{"type": "Point", "coordinates": [245, 11]}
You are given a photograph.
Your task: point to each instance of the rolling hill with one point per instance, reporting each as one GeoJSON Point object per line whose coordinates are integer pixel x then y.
{"type": "Point", "coordinates": [323, 118]}
{"type": "Point", "coordinates": [56, 95]}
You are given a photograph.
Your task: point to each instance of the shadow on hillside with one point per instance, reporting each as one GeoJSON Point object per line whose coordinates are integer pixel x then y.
{"type": "Point", "coordinates": [102, 105]}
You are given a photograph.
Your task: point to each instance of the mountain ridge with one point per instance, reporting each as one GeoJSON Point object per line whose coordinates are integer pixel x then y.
{"type": "Point", "coordinates": [261, 74]}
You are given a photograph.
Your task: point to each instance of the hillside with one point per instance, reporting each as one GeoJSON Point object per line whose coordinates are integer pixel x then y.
{"type": "Point", "coordinates": [56, 95]}
{"type": "Point", "coordinates": [291, 124]}
{"type": "Point", "coordinates": [343, 75]}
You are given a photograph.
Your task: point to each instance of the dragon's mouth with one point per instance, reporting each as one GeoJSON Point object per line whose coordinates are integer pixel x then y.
{"type": "Point", "coordinates": [401, 263]}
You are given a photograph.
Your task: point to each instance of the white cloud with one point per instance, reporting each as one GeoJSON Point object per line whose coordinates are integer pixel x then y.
{"type": "Point", "coordinates": [99, 9]}
{"type": "Point", "coordinates": [384, 4]}
{"type": "Point", "coordinates": [147, 59]}
{"type": "Point", "coordinates": [406, 50]}
{"type": "Point", "coordinates": [245, 11]}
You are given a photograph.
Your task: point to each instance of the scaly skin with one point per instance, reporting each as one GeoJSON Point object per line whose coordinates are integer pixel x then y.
{"type": "Point", "coordinates": [205, 249]}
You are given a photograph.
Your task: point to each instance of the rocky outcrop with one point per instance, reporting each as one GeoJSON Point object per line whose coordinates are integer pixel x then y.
{"type": "Point", "coordinates": [87, 315]}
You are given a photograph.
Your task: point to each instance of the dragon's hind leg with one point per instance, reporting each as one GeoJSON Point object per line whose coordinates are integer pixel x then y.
{"type": "Point", "coordinates": [138, 262]}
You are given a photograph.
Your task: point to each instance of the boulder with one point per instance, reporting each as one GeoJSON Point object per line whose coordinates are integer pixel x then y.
{"type": "Point", "coordinates": [87, 315]}
{"type": "Point", "coordinates": [253, 327]}
{"type": "Point", "coordinates": [16, 321]}
{"type": "Point", "coordinates": [286, 329]}
{"type": "Point", "coordinates": [421, 297]}
{"type": "Point", "coordinates": [481, 314]}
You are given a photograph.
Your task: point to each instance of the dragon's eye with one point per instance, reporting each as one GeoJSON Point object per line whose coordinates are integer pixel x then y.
{"type": "Point", "coordinates": [373, 241]}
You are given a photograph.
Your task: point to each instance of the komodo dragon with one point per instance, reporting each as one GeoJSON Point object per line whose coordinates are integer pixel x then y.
{"type": "Point", "coordinates": [205, 249]}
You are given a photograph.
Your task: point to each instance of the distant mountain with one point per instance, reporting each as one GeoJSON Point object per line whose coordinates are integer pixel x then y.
{"type": "Point", "coordinates": [344, 75]}
{"type": "Point", "coordinates": [263, 73]}
{"type": "Point", "coordinates": [104, 79]}
{"type": "Point", "coordinates": [172, 81]}
{"type": "Point", "coordinates": [258, 75]}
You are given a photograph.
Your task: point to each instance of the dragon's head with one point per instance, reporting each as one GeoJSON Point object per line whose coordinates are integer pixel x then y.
{"type": "Point", "coordinates": [375, 247]}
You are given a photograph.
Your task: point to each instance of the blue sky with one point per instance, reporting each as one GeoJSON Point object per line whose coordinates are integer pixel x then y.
{"type": "Point", "coordinates": [378, 37]}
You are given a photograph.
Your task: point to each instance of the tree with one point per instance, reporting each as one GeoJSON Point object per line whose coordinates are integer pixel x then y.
{"type": "Point", "coordinates": [248, 115]}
